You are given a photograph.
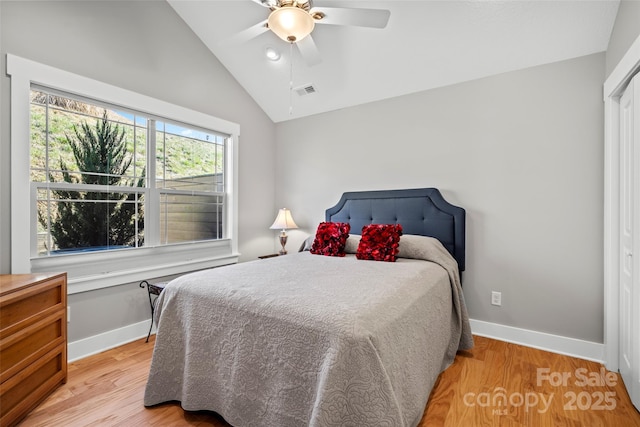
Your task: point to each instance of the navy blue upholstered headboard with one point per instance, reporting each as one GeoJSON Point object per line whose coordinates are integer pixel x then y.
{"type": "Point", "coordinates": [421, 211]}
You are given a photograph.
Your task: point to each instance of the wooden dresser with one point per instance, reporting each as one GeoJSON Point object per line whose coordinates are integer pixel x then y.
{"type": "Point", "coordinates": [33, 341]}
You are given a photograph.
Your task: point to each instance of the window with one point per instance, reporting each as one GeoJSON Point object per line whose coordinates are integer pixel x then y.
{"type": "Point", "coordinates": [89, 168]}
{"type": "Point", "coordinates": [118, 186]}
{"type": "Point", "coordinates": [190, 177]}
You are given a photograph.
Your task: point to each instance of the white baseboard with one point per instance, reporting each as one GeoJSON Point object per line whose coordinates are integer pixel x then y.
{"type": "Point", "coordinates": [107, 340]}
{"type": "Point", "coordinates": [554, 343]}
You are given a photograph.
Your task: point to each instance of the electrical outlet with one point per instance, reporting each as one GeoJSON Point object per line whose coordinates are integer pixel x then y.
{"type": "Point", "coordinates": [496, 298]}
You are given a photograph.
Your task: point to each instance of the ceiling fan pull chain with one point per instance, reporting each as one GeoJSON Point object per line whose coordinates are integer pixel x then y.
{"type": "Point", "coordinates": [291, 78]}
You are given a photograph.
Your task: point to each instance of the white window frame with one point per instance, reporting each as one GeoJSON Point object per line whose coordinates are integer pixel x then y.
{"type": "Point", "coordinates": [89, 271]}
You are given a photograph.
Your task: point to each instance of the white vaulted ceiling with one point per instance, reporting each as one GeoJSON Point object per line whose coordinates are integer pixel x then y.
{"type": "Point", "coordinates": [426, 44]}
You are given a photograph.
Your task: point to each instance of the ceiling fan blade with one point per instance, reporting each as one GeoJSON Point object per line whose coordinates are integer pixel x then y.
{"type": "Point", "coordinates": [248, 34]}
{"type": "Point", "coordinates": [309, 51]}
{"type": "Point", "coordinates": [267, 3]}
{"type": "Point", "coordinates": [374, 18]}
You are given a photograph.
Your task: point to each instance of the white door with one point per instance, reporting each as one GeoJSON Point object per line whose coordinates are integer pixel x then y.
{"type": "Point", "coordinates": [630, 239]}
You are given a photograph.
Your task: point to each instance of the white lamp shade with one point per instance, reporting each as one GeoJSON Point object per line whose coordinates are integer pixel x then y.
{"type": "Point", "coordinates": [291, 23]}
{"type": "Point", "coordinates": [284, 220]}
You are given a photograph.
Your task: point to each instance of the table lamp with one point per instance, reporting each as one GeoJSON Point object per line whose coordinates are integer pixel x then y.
{"type": "Point", "coordinates": [283, 221]}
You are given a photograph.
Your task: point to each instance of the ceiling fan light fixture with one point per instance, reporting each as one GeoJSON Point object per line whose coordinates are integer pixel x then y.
{"type": "Point", "coordinates": [291, 23]}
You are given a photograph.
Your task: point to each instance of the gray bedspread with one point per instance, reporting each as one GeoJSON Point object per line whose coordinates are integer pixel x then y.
{"type": "Point", "coordinates": [312, 340]}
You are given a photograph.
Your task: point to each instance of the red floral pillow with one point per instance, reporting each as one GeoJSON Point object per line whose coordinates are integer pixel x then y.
{"type": "Point", "coordinates": [331, 238]}
{"type": "Point", "coordinates": [379, 242]}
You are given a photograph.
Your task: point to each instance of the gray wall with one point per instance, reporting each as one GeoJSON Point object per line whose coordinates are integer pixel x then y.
{"type": "Point", "coordinates": [145, 47]}
{"type": "Point", "coordinates": [522, 152]}
{"type": "Point", "coordinates": [625, 31]}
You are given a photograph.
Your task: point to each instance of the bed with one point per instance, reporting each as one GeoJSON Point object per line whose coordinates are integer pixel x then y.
{"type": "Point", "coordinates": [312, 340]}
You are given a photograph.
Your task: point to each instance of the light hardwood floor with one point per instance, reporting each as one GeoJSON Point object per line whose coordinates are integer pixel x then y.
{"type": "Point", "coordinates": [495, 384]}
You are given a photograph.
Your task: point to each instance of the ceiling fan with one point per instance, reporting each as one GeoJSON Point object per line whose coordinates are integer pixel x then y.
{"type": "Point", "coordinates": [293, 21]}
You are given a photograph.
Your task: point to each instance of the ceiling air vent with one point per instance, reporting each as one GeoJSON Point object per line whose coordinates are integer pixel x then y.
{"type": "Point", "coordinates": [305, 90]}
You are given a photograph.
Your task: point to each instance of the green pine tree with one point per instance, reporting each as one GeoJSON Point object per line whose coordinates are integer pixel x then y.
{"type": "Point", "coordinates": [88, 221]}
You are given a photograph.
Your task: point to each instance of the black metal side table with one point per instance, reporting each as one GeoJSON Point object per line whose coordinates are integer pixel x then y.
{"type": "Point", "coordinates": [153, 289]}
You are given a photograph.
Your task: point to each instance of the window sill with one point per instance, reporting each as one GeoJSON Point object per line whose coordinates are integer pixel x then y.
{"type": "Point", "coordinates": [96, 270]}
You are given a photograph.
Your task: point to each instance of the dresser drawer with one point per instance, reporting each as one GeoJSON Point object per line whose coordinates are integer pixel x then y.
{"type": "Point", "coordinates": [27, 389]}
{"type": "Point", "coordinates": [26, 306]}
{"type": "Point", "coordinates": [23, 348]}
